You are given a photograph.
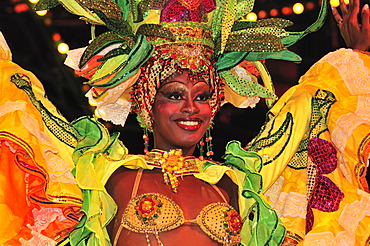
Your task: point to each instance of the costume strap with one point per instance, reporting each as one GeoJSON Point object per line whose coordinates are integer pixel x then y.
{"type": "Point", "coordinates": [220, 193]}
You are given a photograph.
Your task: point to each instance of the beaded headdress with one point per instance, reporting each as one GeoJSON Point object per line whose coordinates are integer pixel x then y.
{"type": "Point", "coordinates": [149, 40]}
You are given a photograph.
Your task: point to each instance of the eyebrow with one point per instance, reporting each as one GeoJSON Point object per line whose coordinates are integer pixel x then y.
{"type": "Point", "coordinates": [176, 81]}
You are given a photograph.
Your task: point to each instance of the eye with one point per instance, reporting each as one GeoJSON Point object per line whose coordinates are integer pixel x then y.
{"type": "Point", "coordinates": [175, 96]}
{"type": "Point", "coordinates": [202, 97]}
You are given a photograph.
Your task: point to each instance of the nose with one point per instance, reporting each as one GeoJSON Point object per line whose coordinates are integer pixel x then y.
{"type": "Point", "coordinates": [189, 107]}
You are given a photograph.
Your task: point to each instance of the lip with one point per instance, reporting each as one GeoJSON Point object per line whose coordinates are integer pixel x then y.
{"type": "Point", "coordinates": [189, 124]}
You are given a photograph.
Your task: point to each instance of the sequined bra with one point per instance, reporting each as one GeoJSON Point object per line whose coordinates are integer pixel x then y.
{"type": "Point", "coordinates": [152, 213]}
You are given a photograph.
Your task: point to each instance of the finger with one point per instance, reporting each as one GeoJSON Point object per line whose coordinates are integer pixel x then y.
{"type": "Point", "coordinates": [343, 8]}
{"type": "Point", "coordinates": [336, 15]}
{"type": "Point", "coordinates": [354, 9]}
{"type": "Point", "coordinates": [365, 21]}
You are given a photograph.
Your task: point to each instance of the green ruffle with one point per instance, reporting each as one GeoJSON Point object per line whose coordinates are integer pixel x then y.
{"type": "Point", "coordinates": [93, 153]}
{"type": "Point", "coordinates": [261, 224]}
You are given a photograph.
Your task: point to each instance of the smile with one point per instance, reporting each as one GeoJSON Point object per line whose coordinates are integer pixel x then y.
{"type": "Point", "coordinates": [190, 125]}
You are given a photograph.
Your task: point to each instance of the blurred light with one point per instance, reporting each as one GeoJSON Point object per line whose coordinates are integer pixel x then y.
{"type": "Point", "coordinates": [298, 8]}
{"type": "Point", "coordinates": [56, 37]}
{"type": "Point", "coordinates": [85, 88]}
{"type": "Point", "coordinates": [274, 12]}
{"type": "Point", "coordinates": [346, 2]}
{"type": "Point", "coordinates": [251, 16]}
{"type": "Point", "coordinates": [63, 48]}
{"type": "Point", "coordinates": [33, 1]}
{"type": "Point", "coordinates": [262, 14]}
{"type": "Point", "coordinates": [310, 6]}
{"type": "Point", "coordinates": [334, 3]}
{"type": "Point", "coordinates": [286, 11]}
{"type": "Point", "coordinates": [47, 21]}
{"type": "Point", "coordinates": [20, 8]}
{"type": "Point", "coordinates": [41, 12]}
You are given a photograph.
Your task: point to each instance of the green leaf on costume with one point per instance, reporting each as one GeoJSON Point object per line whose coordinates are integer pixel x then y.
{"type": "Point", "coordinates": [46, 4]}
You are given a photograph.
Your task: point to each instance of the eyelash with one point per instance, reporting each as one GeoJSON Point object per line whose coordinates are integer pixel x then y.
{"type": "Point", "coordinates": [203, 97]}
{"type": "Point", "coordinates": [178, 96]}
{"type": "Point", "coordinates": [175, 96]}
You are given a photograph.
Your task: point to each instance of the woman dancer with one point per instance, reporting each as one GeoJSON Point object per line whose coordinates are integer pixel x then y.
{"type": "Point", "coordinates": [175, 92]}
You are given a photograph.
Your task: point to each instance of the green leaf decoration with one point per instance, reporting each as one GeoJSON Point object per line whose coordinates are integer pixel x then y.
{"type": "Point", "coordinates": [46, 4]}
{"type": "Point", "coordinates": [229, 60]}
{"type": "Point", "coordinates": [120, 26]}
{"type": "Point", "coordinates": [243, 8]}
{"type": "Point", "coordinates": [126, 65]}
{"type": "Point", "coordinates": [246, 87]}
{"type": "Point", "coordinates": [98, 44]}
{"type": "Point", "coordinates": [295, 36]}
{"type": "Point", "coordinates": [285, 55]}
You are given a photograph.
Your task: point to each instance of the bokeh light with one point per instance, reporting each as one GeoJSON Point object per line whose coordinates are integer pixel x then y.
{"type": "Point", "coordinates": [251, 16]}
{"type": "Point", "coordinates": [298, 8]}
{"type": "Point", "coordinates": [41, 12]}
{"type": "Point", "coordinates": [56, 37]}
{"type": "Point", "coordinates": [262, 14]}
{"type": "Point", "coordinates": [334, 3]}
{"type": "Point", "coordinates": [20, 8]}
{"type": "Point", "coordinates": [310, 5]}
{"type": "Point", "coordinates": [286, 11]}
{"type": "Point", "coordinates": [274, 12]}
{"type": "Point", "coordinates": [63, 48]}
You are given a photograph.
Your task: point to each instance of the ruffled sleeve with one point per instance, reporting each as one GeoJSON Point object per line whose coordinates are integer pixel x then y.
{"type": "Point", "coordinates": [96, 156]}
{"type": "Point", "coordinates": [40, 200]}
{"type": "Point", "coordinates": [315, 150]}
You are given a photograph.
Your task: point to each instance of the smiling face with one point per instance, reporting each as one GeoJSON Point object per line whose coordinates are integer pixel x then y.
{"type": "Point", "coordinates": [181, 113]}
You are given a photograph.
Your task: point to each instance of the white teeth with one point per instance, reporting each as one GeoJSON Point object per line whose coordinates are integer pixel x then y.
{"type": "Point", "coordinates": [189, 123]}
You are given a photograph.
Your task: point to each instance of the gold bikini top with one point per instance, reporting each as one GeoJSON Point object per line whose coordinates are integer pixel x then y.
{"type": "Point", "coordinates": [151, 213]}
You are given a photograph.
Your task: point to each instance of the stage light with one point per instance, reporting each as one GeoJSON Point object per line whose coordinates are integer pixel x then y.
{"type": "Point", "coordinates": [33, 1]}
{"type": "Point", "coordinates": [56, 37]}
{"type": "Point", "coordinates": [63, 48]}
{"type": "Point", "coordinates": [334, 3]}
{"type": "Point", "coordinates": [20, 8]}
{"type": "Point", "coordinates": [41, 12]}
{"type": "Point", "coordinates": [298, 8]}
{"type": "Point", "coordinates": [310, 6]}
{"type": "Point", "coordinates": [286, 10]}
{"type": "Point", "coordinates": [274, 12]}
{"type": "Point", "coordinates": [251, 16]}
{"type": "Point", "coordinates": [262, 14]}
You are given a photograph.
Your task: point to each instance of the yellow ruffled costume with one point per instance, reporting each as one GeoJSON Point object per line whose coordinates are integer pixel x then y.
{"type": "Point", "coordinates": [39, 197]}
{"type": "Point", "coordinates": [308, 156]}
{"type": "Point", "coordinates": [315, 149]}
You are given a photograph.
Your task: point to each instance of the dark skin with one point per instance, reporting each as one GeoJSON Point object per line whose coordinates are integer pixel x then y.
{"type": "Point", "coordinates": [355, 34]}
{"type": "Point", "coordinates": [181, 115]}
{"type": "Point", "coordinates": [193, 195]}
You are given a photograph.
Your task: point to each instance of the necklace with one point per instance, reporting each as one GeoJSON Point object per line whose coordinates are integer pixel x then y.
{"type": "Point", "coordinates": [173, 165]}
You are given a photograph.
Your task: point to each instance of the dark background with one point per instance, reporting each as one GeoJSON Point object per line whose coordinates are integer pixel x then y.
{"type": "Point", "coordinates": [30, 39]}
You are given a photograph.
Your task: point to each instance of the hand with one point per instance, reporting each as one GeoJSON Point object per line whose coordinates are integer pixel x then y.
{"type": "Point", "coordinates": [356, 35]}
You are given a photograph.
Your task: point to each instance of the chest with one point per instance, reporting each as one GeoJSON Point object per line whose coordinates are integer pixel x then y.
{"type": "Point", "coordinates": [192, 194]}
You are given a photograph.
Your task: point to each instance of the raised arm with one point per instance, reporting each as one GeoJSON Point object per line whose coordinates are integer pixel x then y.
{"type": "Point", "coordinates": [355, 34]}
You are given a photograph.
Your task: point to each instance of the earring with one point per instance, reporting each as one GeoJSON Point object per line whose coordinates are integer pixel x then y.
{"type": "Point", "coordinates": [146, 140]}
{"type": "Point", "coordinates": [201, 149]}
{"type": "Point", "coordinates": [207, 142]}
